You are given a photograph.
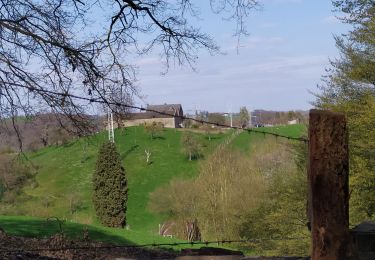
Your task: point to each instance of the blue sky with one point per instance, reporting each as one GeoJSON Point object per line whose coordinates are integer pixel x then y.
{"type": "Point", "coordinates": [289, 47]}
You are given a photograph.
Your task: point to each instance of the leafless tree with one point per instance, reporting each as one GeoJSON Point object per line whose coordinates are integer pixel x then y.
{"type": "Point", "coordinates": [148, 155]}
{"type": "Point", "coordinates": [52, 51]}
{"type": "Point", "coordinates": [120, 96]}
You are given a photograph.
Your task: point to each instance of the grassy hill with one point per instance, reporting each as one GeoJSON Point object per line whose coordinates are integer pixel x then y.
{"type": "Point", "coordinates": [65, 173]}
{"type": "Point", "coordinates": [63, 183]}
{"type": "Point", "coordinates": [35, 227]}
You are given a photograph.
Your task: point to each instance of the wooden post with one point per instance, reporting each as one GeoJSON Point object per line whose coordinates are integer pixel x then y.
{"type": "Point", "coordinates": [328, 185]}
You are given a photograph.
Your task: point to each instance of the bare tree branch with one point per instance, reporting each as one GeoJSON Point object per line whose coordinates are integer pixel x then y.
{"type": "Point", "coordinates": [85, 47]}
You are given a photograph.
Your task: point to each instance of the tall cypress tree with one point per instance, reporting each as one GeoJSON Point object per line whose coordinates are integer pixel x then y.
{"type": "Point", "coordinates": [110, 193]}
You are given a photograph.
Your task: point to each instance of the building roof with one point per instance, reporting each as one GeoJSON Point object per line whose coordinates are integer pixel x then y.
{"type": "Point", "coordinates": [146, 115]}
{"type": "Point", "coordinates": [172, 109]}
{"type": "Point", "coordinates": [168, 109]}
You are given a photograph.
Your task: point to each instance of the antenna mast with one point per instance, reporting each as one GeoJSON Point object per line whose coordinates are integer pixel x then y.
{"type": "Point", "coordinates": [111, 132]}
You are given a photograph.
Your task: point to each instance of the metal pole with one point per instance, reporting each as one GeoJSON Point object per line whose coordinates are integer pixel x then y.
{"type": "Point", "coordinates": [112, 130]}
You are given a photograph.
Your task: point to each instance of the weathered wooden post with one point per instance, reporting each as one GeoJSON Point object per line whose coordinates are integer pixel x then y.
{"type": "Point", "coordinates": [328, 185]}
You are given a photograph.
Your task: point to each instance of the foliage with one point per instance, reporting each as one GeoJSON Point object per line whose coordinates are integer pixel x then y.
{"type": "Point", "coordinates": [14, 174]}
{"type": "Point", "coordinates": [208, 129]}
{"type": "Point", "coordinates": [154, 129]}
{"type": "Point", "coordinates": [61, 173]}
{"type": "Point", "coordinates": [282, 214]}
{"type": "Point", "coordinates": [35, 132]}
{"type": "Point", "coordinates": [217, 198]}
{"type": "Point", "coordinates": [278, 117]}
{"type": "Point", "coordinates": [110, 191]}
{"type": "Point", "coordinates": [244, 117]}
{"type": "Point", "coordinates": [349, 87]}
{"type": "Point", "coordinates": [229, 186]}
{"type": "Point", "coordinates": [239, 196]}
{"type": "Point", "coordinates": [191, 146]}
{"type": "Point", "coordinates": [75, 203]}
{"type": "Point", "coordinates": [360, 111]}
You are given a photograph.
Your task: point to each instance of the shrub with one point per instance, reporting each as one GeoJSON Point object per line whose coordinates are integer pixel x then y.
{"type": "Point", "coordinates": [154, 129]}
{"type": "Point", "coordinates": [227, 189]}
{"type": "Point", "coordinates": [13, 172]}
{"type": "Point", "coordinates": [75, 203]}
{"type": "Point", "coordinates": [191, 146]}
{"type": "Point", "coordinates": [110, 193]}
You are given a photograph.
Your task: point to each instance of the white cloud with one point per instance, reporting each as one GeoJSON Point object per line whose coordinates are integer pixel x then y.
{"type": "Point", "coordinates": [273, 82]}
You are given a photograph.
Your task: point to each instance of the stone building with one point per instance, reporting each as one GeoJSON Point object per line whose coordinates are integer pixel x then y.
{"type": "Point", "coordinates": [171, 117]}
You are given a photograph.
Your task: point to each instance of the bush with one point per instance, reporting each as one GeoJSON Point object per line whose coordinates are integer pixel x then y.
{"type": "Point", "coordinates": [226, 190]}
{"type": "Point", "coordinates": [110, 193]}
{"type": "Point", "coordinates": [13, 172]}
{"type": "Point", "coordinates": [191, 146]}
{"type": "Point", "coordinates": [154, 129]}
{"type": "Point", "coordinates": [242, 196]}
{"type": "Point", "coordinates": [75, 203]}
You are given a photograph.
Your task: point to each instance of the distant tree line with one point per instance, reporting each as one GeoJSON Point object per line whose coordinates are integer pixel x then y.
{"type": "Point", "coordinates": [246, 118]}
{"type": "Point", "coordinates": [40, 131]}
{"type": "Point", "coordinates": [278, 117]}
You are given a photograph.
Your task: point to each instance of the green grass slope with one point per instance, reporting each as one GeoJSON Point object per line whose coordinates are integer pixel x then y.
{"type": "Point", "coordinates": [65, 173]}
{"type": "Point", "coordinates": [42, 228]}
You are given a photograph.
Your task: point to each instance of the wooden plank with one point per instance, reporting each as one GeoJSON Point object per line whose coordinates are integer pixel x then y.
{"type": "Point", "coordinates": [328, 185]}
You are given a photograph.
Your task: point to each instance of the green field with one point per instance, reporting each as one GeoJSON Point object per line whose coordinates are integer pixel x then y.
{"type": "Point", "coordinates": [65, 172]}
{"type": "Point", "coordinates": [42, 228]}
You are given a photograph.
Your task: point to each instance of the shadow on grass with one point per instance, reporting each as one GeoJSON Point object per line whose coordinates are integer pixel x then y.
{"type": "Point", "coordinates": [43, 229]}
{"type": "Point", "coordinates": [128, 152]}
{"type": "Point", "coordinates": [158, 137]}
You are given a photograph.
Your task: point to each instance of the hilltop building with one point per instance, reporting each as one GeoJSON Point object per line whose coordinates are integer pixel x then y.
{"type": "Point", "coordinates": [171, 117]}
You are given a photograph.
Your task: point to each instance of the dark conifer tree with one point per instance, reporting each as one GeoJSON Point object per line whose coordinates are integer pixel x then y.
{"type": "Point", "coordinates": [110, 192]}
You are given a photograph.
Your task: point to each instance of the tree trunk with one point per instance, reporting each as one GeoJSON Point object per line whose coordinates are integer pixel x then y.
{"type": "Point", "coordinates": [328, 185]}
